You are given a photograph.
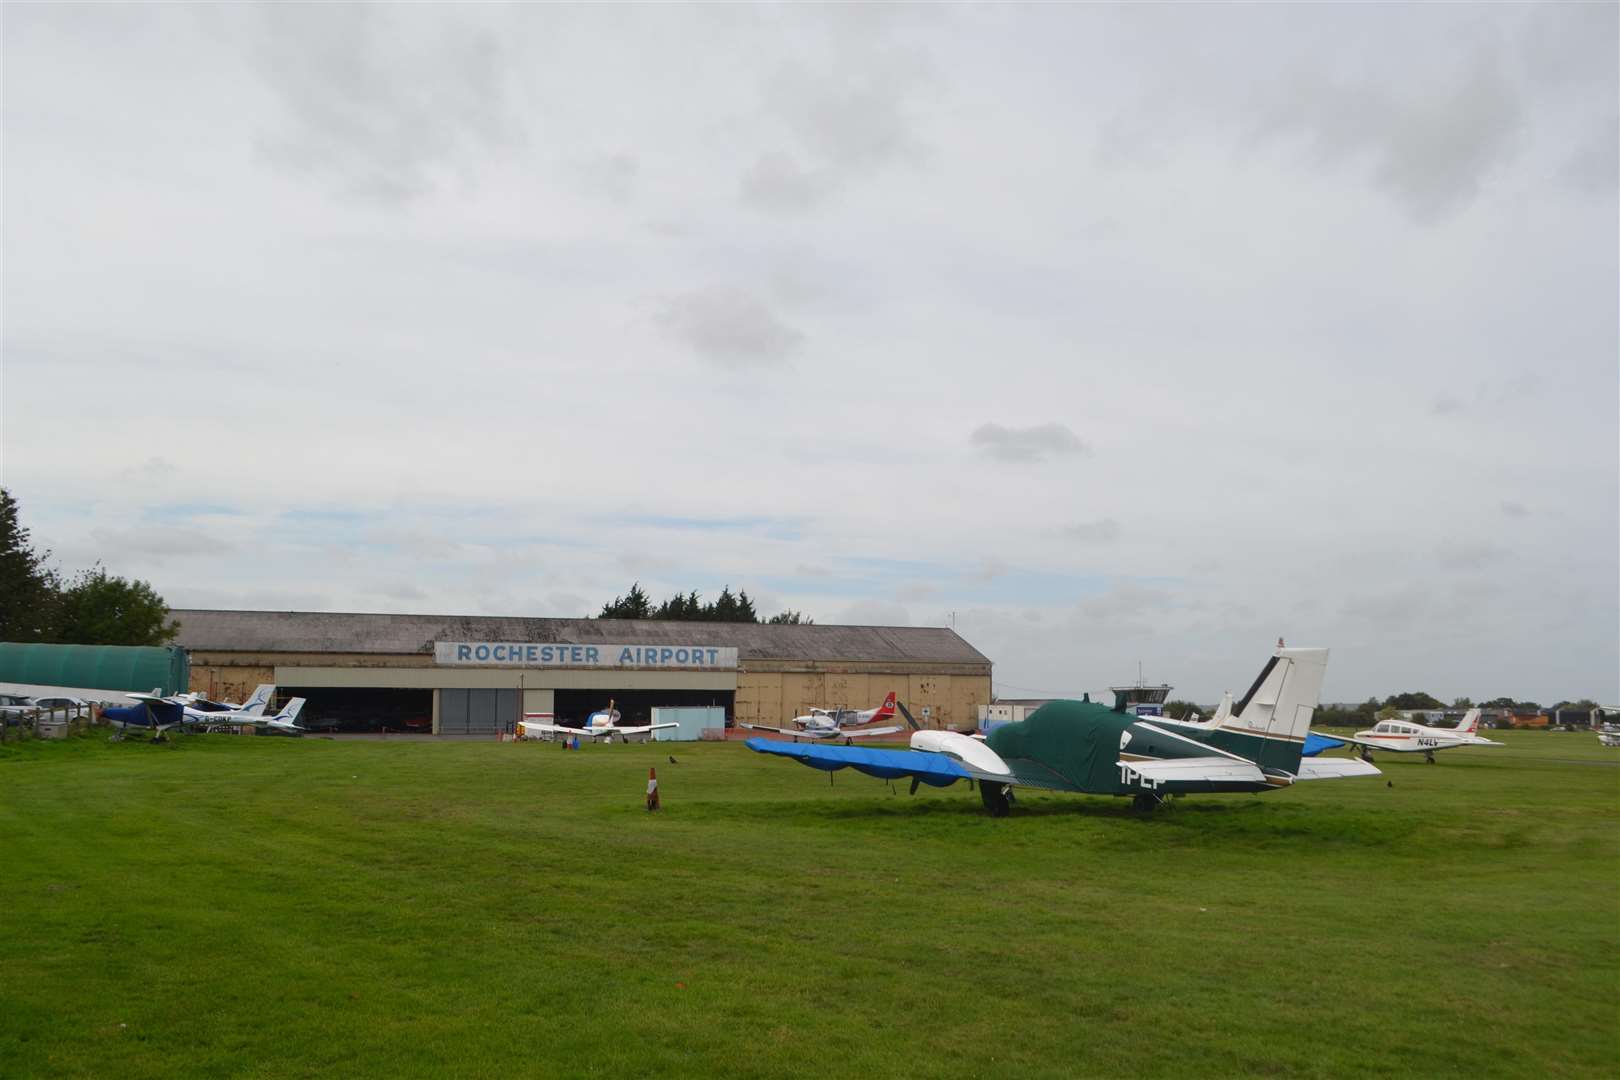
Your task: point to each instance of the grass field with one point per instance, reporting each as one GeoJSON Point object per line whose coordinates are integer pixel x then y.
{"type": "Point", "coordinates": [269, 907]}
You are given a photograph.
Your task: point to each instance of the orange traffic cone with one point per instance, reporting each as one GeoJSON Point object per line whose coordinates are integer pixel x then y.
{"type": "Point", "coordinates": [652, 789]}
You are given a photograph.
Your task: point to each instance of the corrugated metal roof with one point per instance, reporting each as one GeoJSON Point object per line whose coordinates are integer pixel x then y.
{"type": "Point", "coordinates": [320, 631]}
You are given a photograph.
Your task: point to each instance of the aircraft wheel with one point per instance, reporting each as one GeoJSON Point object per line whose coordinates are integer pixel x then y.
{"type": "Point", "coordinates": [994, 797]}
{"type": "Point", "coordinates": [1428, 757]}
{"type": "Point", "coordinates": [1145, 802]}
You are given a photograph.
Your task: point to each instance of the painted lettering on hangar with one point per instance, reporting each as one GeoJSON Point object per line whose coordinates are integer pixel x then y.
{"type": "Point", "coordinates": [567, 654]}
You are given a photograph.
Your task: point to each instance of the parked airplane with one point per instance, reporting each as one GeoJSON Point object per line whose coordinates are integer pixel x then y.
{"type": "Point", "coordinates": [602, 724]}
{"type": "Point", "coordinates": [158, 714]}
{"type": "Point", "coordinates": [1085, 747]}
{"type": "Point", "coordinates": [838, 723]}
{"type": "Point", "coordinates": [1405, 737]}
{"type": "Point", "coordinates": [254, 705]}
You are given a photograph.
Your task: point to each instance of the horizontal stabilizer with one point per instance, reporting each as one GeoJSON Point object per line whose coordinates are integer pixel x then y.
{"type": "Point", "coordinates": [856, 733]}
{"type": "Point", "coordinates": [1192, 770]}
{"type": "Point", "coordinates": [936, 770]}
{"type": "Point", "coordinates": [1336, 768]}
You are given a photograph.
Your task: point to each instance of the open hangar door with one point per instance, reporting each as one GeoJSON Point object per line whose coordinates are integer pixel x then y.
{"type": "Point", "coordinates": [361, 709]}
{"type": "Point", "coordinates": [636, 706]}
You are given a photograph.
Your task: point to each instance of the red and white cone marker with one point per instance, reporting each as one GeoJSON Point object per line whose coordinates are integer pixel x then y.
{"type": "Point", "coordinates": [652, 789]}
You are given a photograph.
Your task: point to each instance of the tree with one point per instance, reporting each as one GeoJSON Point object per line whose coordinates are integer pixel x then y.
{"type": "Point", "coordinates": [99, 609]}
{"type": "Point", "coordinates": [633, 606]}
{"type": "Point", "coordinates": [1414, 700]}
{"type": "Point", "coordinates": [28, 588]}
{"type": "Point", "coordinates": [1179, 710]}
{"type": "Point", "coordinates": [1463, 703]}
{"type": "Point", "coordinates": [790, 618]}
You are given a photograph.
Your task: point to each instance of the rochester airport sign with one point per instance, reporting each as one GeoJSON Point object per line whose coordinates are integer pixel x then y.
{"type": "Point", "coordinates": [556, 654]}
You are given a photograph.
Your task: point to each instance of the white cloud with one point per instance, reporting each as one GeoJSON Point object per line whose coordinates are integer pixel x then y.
{"type": "Point", "coordinates": [1021, 445]}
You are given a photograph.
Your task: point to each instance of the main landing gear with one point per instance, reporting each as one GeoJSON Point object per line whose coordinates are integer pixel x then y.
{"type": "Point", "coordinates": [1145, 802]}
{"type": "Point", "coordinates": [1428, 757]}
{"type": "Point", "coordinates": [997, 798]}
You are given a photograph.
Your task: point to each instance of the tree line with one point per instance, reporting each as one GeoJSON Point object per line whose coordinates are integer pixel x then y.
{"type": "Point", "coordinates": [92, 607]}
{"type": "Point", "coordinates": [689, 607]}
{"type": "Point", "coordinates": [1373, 709]}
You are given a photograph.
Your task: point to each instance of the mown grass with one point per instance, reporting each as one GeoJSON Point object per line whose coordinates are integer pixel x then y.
{"type": "Point", "coordinates": [267, 907]}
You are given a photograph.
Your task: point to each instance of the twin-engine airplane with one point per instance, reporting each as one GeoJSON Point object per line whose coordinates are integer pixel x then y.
{"type": "Point", "coordinates": [1405, 737]}
{"type": "Point", "coordinates": [602, 724]}
{"type": "Point", "coordinates": [838, 723]}
{"type": "Point", "coordinates": [158, 714]}
{"type": "Point", "coordinates": [1084, 747]}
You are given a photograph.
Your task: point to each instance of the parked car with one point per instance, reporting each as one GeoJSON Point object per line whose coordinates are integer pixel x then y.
{"type": "Point", "coordinates": [64, 706]}
{"type": "Point", "coordinates": [14, 708]}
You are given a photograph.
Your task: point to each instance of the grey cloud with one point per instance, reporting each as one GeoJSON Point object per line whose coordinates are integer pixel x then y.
{"type": "Point", "coordinates": [1127, 602]}
{"type": "Point", "coordinates": [610, 176]}
{"type": "Point", "coordinates": [729, 327]}
{"type": "Point", "coordinates": [777, 182]}
{"type": "Point", "coordinates": [1444, 405]}
{"type": "Point", "coordinates": [1431, 152]}
{"type": "Point", "coordinates": [1595, 166]}
{"type": "Point", "coordinates": [853, 120]}
{"type": "Point", "coordinates": [1404, 606]}
{"type": "Point", "coordinates": [1469, 554]}
{"type": "Point", "coordinates": [380, 98]}
{"type": "Point", "coordinates": [1101, 531]}
{"type": "Point", "coordinates": [160, 543]}
{"type": "Point", "coordinates": [153, 469]}
{"type": "Point", "coordinates": [1028, 444]}
{"type": "Point", "coordinates": [915, 591]}
{"type": "Point", "coordinates": [1514, 509]}
{"type": "Point", "coordinates": [873, 613]}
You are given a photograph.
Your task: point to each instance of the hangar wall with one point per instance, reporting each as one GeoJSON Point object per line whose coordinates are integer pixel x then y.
{"type": "Point", "coordinates": [775, 696]}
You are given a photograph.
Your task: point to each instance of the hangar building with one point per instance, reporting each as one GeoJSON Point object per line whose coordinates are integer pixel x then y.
{"type": "Point", "coordinates": [474, 675]}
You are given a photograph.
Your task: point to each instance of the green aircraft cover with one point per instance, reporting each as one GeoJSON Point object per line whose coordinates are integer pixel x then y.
{"type": "Point", "coordinates": [1066, 745]}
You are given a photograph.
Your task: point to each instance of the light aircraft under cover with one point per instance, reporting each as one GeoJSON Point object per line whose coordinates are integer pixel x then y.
{"type": "Point", "coordinates": [838, 723]}
{"type": "Point", "coordinates": [1084, 747]}
{"type": "Point", "coordinates": [602, 724]}
{"type": "Point", "coordinates": [1405, 737]}
{"type": "Point", "coordinates": [158, 714]}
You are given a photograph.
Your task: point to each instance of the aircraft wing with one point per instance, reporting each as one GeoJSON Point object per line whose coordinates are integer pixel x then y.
{"type": "Point", "coordinates": [1368, 743]}
{"type": "Point", "coordinates": [934, 769]}
{"type": "Point", "coordinates": [797, 733]}
{"type": "Point", "coordinates": [859, 733]}
{"type": "Point", "coordinates": [529, 726]}
{"type": "Point", "coordinates": [641, 729]}
{"type": "Point", "coordinates": [154, 699]}
{"type": "Point", "coordinates": [1214, 770]}
{"type": "Point", "coordinates": [1336, 768]}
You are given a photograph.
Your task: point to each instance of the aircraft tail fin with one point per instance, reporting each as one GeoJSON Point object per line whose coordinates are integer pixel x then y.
{"type": "Point", "coordinates": [885, 710]}
{"type": "Point", "coordinates": [289, 712]}
{"type": "Point", "coordinates": [1469, 724]}
{"type": "Point", "coordinates": [1279, 706]}
{"type": "Point", "coordinates": [255, 705]}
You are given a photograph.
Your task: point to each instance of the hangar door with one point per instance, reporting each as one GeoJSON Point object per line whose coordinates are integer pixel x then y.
{"type": "Point", "coordinates": [477, 712]}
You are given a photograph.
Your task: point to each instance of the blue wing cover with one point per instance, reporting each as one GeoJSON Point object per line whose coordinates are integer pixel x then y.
{"type": "Point", "coordinates": [1315, 744]}
{"type": "Point", "coordinates": [938, 770]}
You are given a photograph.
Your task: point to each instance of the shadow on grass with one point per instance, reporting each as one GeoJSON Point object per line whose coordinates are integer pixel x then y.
{"type": "Point", "coordinates": [1232, 820]}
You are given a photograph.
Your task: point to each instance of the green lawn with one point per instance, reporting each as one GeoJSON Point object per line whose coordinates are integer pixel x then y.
{"type": "Point", "coordinates": [272, 907]}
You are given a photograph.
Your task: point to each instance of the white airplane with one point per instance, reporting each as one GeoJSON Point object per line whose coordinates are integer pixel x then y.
{"type": "Point", "coordinates": [255, 704]}
{"type": "Point", "coordinates": [837, 723]}
{"type": "Point", "coordinates": [158, 714]}
{"type": "Point", "coordinates": [602, 724]}
{"type": "Point", "coordinates": [1405, 737]}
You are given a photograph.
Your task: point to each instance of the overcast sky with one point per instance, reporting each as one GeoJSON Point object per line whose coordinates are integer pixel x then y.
{"type": "Point", "coordinates": [1115, 335]}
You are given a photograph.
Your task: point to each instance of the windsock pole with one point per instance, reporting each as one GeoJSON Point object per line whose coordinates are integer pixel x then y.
{"type": "Point", "coordinates": [652, 789]}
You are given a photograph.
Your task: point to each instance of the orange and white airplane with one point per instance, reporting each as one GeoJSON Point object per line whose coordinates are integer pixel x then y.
{"type": "Point", "coordinates": [1405, 737]}
{"type": "Point", "coordinates": [838, 723]}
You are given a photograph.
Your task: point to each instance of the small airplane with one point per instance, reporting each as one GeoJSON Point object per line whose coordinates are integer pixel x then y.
{"type": "Point", "coordinates": [159, 714]}
{"type": "Point", "coordinates": [1086, 747]}
{"type": "Point", "coordinates": [602, 724]}
{"type": "Point", "coordinates": [837, 723]}
{"type": "Point", "coordinates": [1405, 737]}
{"type": "Point", "coordinates": [255, 704]}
